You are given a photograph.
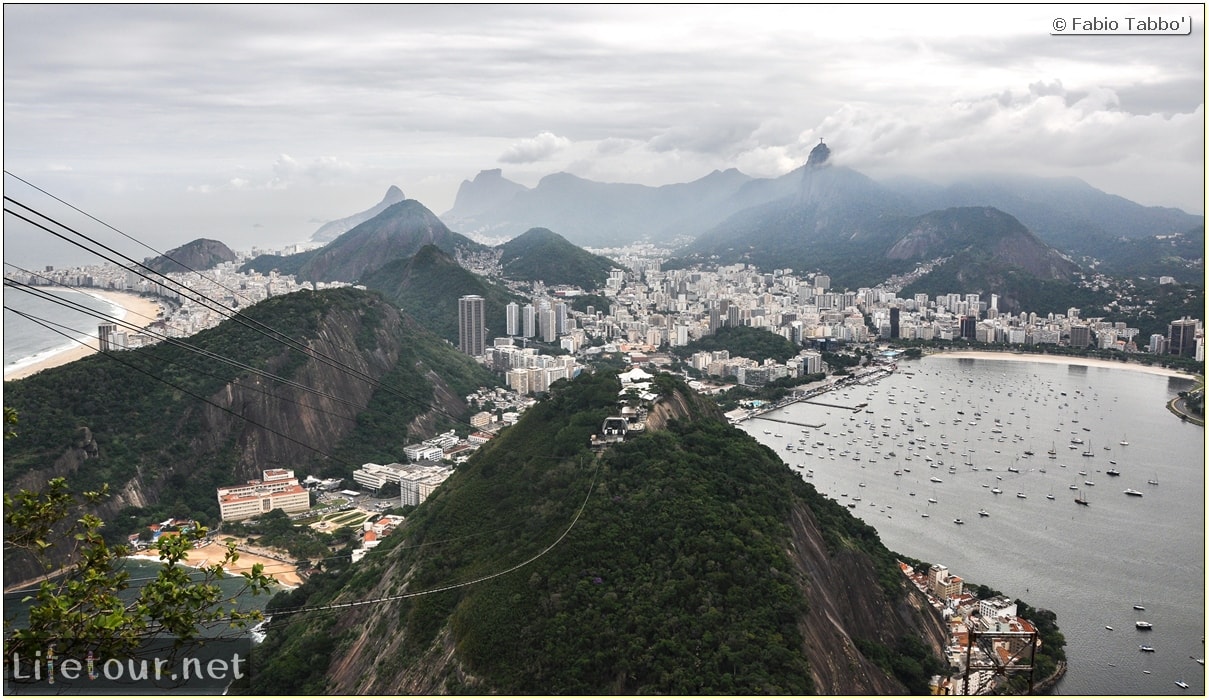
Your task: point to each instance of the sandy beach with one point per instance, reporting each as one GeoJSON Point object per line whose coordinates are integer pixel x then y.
{"type": "Point", "coordinates": [285, 573]}
{"type": "Point", "coordinates": [139, 311]}
{"type": "Point", "coordinates": [1060, 360]}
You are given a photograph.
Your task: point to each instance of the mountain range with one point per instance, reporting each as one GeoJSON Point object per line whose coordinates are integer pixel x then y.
{"type": "Point", "coordinates": [729, 217]}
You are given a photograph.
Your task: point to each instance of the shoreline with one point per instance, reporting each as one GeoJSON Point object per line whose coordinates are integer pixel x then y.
{"type": "Point", "coordinates": [135, 309]}
{"type": "Point", "coordinates": [285, 574]}
{"type": "Point", "coordinates": [1058, 360]}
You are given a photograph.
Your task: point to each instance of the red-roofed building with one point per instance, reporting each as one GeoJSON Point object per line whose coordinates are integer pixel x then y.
{"type": "Point", "coordinates": [279, 489]}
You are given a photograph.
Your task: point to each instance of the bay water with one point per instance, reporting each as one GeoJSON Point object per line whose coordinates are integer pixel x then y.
{"type": "Point", "coordinates": [958, 430]}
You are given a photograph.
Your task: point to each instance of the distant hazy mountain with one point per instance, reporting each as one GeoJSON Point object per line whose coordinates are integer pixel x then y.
{"type": "Point", "coordinates": [541, 254]}
{"type": "Point", "coordinates": [399, 231]}
{"type": "Point", "coordinates": [428, 285]}
{"type": "Point", "coordinates": [814, 218]}
{"type": "Point", "coordinates": [733, 217]}
{"type": "Point", "coordinates": [1065, 212]}
{"type": "Point", "coordinates": [201, 254]}
{"type": "Point", "coordinates": [591, 213]}
{"type": "Point", "coordinates": [334, 229]}
{"type": "Point", "coordinates": [488, 190]}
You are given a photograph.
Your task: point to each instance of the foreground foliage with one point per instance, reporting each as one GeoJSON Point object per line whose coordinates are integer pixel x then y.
{"type": "Point", "coordinates": [86, 607]}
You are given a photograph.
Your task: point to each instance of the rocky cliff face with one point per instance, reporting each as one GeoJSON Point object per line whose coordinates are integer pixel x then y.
{"type": "Point", "coordinates": [846, 604]}
{"type": "Point", "coordinates": [259, 422]}
{"type": "Point", "coordinates": [249, 426]}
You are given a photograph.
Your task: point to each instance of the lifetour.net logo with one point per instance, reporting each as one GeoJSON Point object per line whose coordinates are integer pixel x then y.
{"type": "Point", "coordinates": [205, 666]}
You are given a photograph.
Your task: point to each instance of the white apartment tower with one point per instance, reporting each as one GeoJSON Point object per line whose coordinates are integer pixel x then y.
{"type": "Point", "coordinates": [472, 333]}
{"type": "Point", "coordinates": [513, 325]}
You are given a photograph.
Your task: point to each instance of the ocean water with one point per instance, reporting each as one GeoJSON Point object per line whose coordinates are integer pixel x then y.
{"type": "Point", "coordinates": [971, 422]}
{"type": "Point", "coordinates": [27, 342]}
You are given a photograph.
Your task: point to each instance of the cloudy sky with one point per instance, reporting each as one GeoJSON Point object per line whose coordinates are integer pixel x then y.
{"type": "Point", "coordinates": [255, 124]}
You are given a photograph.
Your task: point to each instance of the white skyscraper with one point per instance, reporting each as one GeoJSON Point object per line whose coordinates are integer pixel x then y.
{"type": "Point", "coordinates": [548, 327]}
{"type": "Point", "coordinates": [514, 319]}
{"type": "Point", "coordinates": [529, 318]}
{"type": "Point", "coordinates": [472, 332]}
{"type": "Point", "coordinates": [560, 317]}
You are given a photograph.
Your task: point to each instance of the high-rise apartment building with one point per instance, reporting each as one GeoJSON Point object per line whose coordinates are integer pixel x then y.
{"type": "Point", "coordinates": [1181, 336]}
{"type": "Point", "coordinates": [548, 325]}
{"type": "Point", "coordinates": [513, 325]}
{"type": "Point", "coordinates": [103, 332]}
{"type": "Point", "coordinates": [529, 321]}
{"type": "Point", "coordinates": [1080, 335]}
{"type": "Point", "coordinates": [472, 333]}
{"type": "Point", "coordinates": [560, 318]}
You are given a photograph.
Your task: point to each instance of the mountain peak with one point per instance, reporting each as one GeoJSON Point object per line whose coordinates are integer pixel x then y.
{"type": "Point", "coordinates": [334, 229]}
{"type": "Point", "coordinates": [488, 189]}
{"type": "Point", "coordinates": [818, 155]}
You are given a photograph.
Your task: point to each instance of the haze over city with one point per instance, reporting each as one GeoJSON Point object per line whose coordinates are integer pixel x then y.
{"type": "Point", "coordinates": [255, 125]}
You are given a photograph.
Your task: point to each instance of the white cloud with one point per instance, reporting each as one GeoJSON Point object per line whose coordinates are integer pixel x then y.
{"type": "Point", "coordinates": [540, 147]}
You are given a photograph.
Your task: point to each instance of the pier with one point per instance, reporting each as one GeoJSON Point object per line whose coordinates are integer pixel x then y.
{"type": "Point", "coordinates": [854, 409]}
{"type": "Point", "coordinates": [790, 422]}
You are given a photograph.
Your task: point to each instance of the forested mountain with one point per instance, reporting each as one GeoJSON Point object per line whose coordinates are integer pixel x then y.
{"type": "Point", "coordinates": [201, 254]}
{"type": "Point", "coordinates": [541, 254]}
{"type": "Point", "coordinates": [986, 251]}
{"type": "Point", "coordinates": [165, 426]}
{"type": "Point", "coordinates": [399, 231]}
{"type": "Point", "coordinates": [1177, 254]}
{"type": "Point", "coordinates": [687, 560]}
{"type": "Point", "coordinates": [334, 229]}
{"type": "Point", "coordinates": [428, 285]}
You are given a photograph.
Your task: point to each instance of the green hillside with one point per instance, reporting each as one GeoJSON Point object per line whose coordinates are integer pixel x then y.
{"type": "Point", "coordinates": [659, 567]}
{"type": "Point", "coordinates": [175, 419]}
{"type": "Point", "coordinates": [541, 254]}
{"type": "Point", "coordinates": [428, 286]}
{"type": "Point", "coordinates": [742, 341]}
{"type": "Point", "coordinates": [399, 231]}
